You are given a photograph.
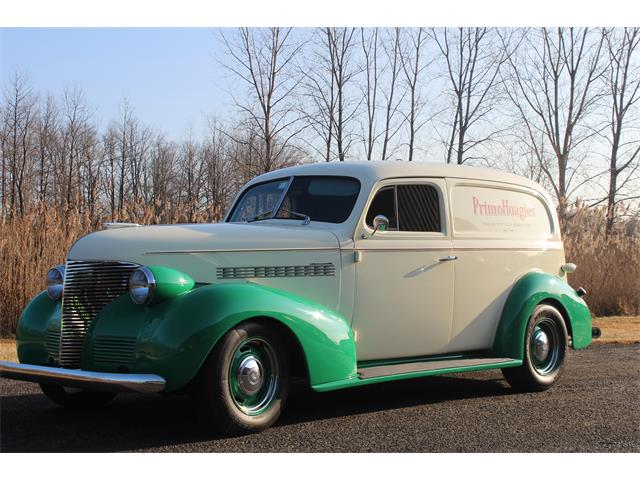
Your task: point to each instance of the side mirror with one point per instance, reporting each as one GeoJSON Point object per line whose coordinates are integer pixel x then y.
{"type": "Point", "coordinates": [380, 224]}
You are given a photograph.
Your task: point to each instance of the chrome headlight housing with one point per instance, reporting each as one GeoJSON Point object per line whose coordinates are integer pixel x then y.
{"type": "Point", "coordinates": [55, 282]}
{"type": "Point", "coordinates": [142, 285]}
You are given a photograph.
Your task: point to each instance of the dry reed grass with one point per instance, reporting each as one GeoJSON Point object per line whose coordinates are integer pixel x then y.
{"type": "Point", "coordinates": [608, 266]}
{"type": "Point", "coordinates": [29, 247]}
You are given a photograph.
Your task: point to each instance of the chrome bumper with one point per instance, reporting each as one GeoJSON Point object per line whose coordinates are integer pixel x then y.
{"type": "Point", "coordinates": [112, 382]}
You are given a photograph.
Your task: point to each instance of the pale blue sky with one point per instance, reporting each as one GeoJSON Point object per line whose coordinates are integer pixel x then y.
{"type": "Point", "coordinates": [171, 76]}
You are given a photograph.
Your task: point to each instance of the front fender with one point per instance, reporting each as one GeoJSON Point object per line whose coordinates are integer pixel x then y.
{"type": "Point", "coordinates": [174, 337]}
{"type": "Point", "coordinates": [529, 291]}
{"type": "Point", "coordinates": [40, 316]}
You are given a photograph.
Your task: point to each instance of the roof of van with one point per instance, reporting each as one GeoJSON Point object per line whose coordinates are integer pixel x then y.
{"type": "Point", "coordinates": [373, 171]}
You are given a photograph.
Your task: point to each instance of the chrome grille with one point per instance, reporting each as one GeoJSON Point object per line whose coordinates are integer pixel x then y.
{"type": "Point", "coordinates": [88, 288]}
{"type": "Point", "coordinates": [311, 270]}
{"type": "Point", "coordinates": [112, 349]}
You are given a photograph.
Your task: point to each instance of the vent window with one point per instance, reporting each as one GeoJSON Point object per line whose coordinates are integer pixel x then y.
{"type": "Point", "coordinates": [384, 203]}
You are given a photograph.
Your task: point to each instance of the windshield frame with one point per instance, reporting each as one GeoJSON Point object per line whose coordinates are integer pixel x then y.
{"type": "Point", "coordinates": [278, 205]}
{"type": "Point", "coordinates": [274, 212]}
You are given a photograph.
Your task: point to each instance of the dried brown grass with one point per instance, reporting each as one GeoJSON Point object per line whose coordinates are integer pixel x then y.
{"type": "Point", "coordinates": [34, 242]}
{"type": "Point", "coordinates": [608, 266]}
{"type": "Point", "coordinates": [29, 247]}
{"type": "Point", "coordinates": [618, 329]}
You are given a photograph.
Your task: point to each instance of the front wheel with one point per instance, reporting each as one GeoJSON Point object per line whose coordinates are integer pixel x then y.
{"type": "Point", "coordinates": [243, 384]}
{"type": "Point", "coordinates": [76, 398]}
{"type": "Point", "coordinates": [545, 349]}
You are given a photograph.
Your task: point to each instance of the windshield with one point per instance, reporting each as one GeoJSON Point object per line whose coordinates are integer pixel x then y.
{"type": "Point", "coordinates": [321, 198]}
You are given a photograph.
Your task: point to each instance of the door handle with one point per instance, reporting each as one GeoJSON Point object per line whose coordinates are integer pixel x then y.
{"type": "Point", "coordinates": [448, 258]}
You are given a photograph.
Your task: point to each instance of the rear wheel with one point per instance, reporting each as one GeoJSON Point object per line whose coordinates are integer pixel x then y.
{"type": "Point", "coordinates": [545, 349]}
{"type": "Point", "coordinates": [243, 385]}
{"type": "Point", "coordinates": [75, 397]}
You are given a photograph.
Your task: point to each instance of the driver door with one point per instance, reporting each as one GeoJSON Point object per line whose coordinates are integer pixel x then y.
{"type": "Point", "coordinates": [404, 276]}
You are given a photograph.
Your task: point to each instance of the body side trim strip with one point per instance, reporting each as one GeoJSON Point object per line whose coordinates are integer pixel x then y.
{"type": "Point", "coordinates": [324, 249]}
{"type": "Point", "coordinates": [244, 250]}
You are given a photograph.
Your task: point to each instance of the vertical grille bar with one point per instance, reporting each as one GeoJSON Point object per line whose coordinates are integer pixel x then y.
{"type": "Point", "coordinates": [88, 288]}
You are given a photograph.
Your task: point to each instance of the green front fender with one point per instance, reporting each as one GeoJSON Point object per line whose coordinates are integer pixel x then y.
{"type": "Point", "coordinates": [39, 316]}
{"type": "Point", "coordinates": [174, 337]}
{"type": "Point", "coordinates": [528, 292]}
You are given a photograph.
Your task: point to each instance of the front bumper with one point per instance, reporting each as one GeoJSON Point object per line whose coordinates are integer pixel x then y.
{"type": "Point", "coordinates": [111, 382]}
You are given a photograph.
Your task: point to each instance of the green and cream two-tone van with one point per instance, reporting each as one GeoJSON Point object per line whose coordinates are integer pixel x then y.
{"type": "Point", "coordinates": [345, 274]}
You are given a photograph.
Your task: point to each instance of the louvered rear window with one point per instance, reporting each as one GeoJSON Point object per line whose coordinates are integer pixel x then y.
{"type": "Point", "coordinates": [418, 208]}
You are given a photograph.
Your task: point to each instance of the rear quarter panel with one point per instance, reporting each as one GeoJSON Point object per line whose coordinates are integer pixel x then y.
{"type": "Point", "coordinates": [500, 233]}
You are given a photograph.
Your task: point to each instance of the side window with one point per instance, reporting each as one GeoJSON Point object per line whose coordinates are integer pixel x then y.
{"type": "Point", "coordinates": [384, 203]}
{"type": "Point", "coordinates": [418, 208]}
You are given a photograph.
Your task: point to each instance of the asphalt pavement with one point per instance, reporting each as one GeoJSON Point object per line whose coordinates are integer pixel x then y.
{"type": "Point", "coordinates": [594, 408]}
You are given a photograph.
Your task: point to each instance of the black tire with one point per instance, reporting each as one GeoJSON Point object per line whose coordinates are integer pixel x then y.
{"type": "Point", "coordinates": [76, 398]}
{"type": "Point", "coordinates": [220, 392]}
{"type": "Point", "coordinates": [538, 372]}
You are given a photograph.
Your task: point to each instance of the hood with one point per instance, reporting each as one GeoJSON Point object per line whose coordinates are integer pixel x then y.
{"type": "Point", "coordinates": [132, 243]}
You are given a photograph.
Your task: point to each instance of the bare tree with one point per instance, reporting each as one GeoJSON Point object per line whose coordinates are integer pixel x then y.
{"type": "Point", "coordinates": [623, 84]}
{"type": "Point", "coordinates": [340, 44]}
{"type": "Point", "coordinates": [4, 147]}
{"type": "Point", "coordinates": [89, 170]}
{"type": "Point", "coordinates": [123, 130]}
{"type": "Point", "coordinates": [393, 99]}
{"type": "Point", "coordinates": [264, 60]}
{"type": "Point", "coordinates": [191, 176]}
{"type": "Point", "coordinates": [319, 91]}
{"type": "Point", "coordinates": [554, 87]}
{"type": "Point", "coordinates": [160, 179]}
{"type": "Point", "coordinates": [218, 185]}
{"type": "Point", "coordinates": [472, 62]}
{"type": "Point", "coordinates": [47, 142]}
{"type": "Point", "coordinates": [413, 66]}
{"type": "Point", "coordinates": [76, 116]}
{"type": "Point", "coordinates": [20, 116]}
{"type": "Point", "coordinates": [370, 44]}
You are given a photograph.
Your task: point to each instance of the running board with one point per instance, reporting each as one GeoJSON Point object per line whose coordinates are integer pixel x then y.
{"type": "Point", "coordinates": [431, 366]}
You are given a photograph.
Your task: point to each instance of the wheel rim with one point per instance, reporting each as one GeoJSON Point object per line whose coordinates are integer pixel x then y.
{"type": "Point", "coordinates": [545, 349]}
{"type": "Point", "coordinates": [253, 376]}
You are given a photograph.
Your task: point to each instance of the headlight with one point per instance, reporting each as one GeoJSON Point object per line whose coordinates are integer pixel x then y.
{"type": "Point", "coordinates": [55, 282]}
{"type": "Point", "coordinates": [142, 284]}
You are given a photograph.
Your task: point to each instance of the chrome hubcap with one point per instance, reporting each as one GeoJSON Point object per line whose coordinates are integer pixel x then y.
{"type": "Point", "coordinates": [253, 376]}
{"type": "Point", "coordinates": [546, 347]}
{"type": "Point", "coordinates": [540, 345]}
{"type": "Point", "coordinates": [250, 375]}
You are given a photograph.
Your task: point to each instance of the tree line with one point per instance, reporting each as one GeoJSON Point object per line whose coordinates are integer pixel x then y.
{"type": "Point", "coordinates": [557, 105]}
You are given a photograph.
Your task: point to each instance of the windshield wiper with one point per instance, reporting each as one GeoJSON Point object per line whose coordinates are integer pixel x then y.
{"type": "Point", "coordinates": [260, 216]}
{"type": "Point", "coordinates": [303, 216]}
{"type": "Point", "coordinates": [265, 215]}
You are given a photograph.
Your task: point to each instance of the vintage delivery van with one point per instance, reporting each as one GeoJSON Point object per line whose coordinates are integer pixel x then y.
{"type": "Point", "coordinates": [345, 274]}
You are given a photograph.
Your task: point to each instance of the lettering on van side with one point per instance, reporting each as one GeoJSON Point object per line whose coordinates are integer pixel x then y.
{"type": "Point", "coordinates": [503, 209]}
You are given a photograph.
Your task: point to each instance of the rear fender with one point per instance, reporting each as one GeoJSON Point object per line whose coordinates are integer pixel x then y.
{"type": "Point", "coordinates": [529, 291]}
